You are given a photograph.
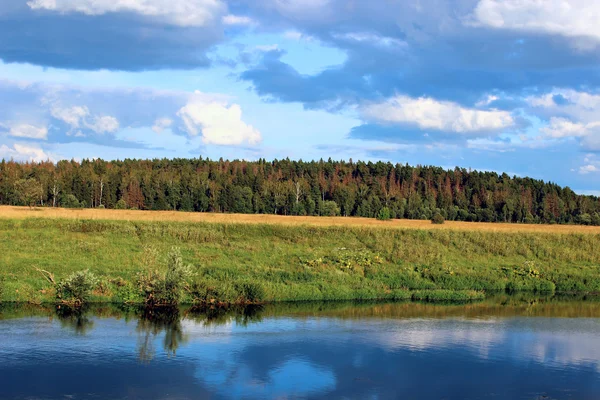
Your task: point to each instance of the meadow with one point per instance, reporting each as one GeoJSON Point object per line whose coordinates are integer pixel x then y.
{"type": "Point", "coordinates": [277, 258]}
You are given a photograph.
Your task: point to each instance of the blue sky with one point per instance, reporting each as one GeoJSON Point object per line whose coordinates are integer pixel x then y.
{"type": "Point", "coordinates": [502, 85]}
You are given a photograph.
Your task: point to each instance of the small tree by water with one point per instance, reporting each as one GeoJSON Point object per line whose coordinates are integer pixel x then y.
{"type": "Point", "coordinates": [165, 289]}
{"type": "Point", "coordinates": [76, 289]}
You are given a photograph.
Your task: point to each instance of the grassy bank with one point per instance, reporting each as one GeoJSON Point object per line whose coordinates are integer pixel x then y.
{"type": "Point", "coordinates": [295, 262]}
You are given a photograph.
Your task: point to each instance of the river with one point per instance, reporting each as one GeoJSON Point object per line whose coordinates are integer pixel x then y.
{"type": "Point", "coordinates": [505, 348]}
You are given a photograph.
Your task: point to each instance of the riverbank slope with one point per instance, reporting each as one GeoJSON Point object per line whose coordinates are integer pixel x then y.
{"type": "Point", "coordinates": [298, 261]}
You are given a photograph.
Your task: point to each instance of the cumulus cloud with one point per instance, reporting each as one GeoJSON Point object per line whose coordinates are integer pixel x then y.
{"type": "Point", "coordinates": [570, 18]}
{"type": "Point", "coordinates": [79, 117]}
{"type": "Point", "coordinates": [587, 169]}
{"type": "Point", "coordinates": [217, 122]}
{"type": "Point", "coordinates": [578, 105]}
{"type": "Point", "coordinates": [21, 152]}
{"type": "Point", "coordinates": [28, 131]}
{"type": "Point", "coordinates": [427, 113]}
{"type": "Point", "coordinates": [161, 124]}
{"type": "Point", "coordinates": [371, 39]}
{"type": "Point", "coordinates": [99, 115]}
{"type": "Point", "coordinates": [241, 20]}
{"type": "Point", "coordinates": [570, 113]}
{"type": "Point", "coordinates": [177, 12]}
{"type": "Point", "coordinates": [561, 128]}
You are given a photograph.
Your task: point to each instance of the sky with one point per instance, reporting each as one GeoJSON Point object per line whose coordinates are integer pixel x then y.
{"type": "Point", "coordinates": [499, 85]}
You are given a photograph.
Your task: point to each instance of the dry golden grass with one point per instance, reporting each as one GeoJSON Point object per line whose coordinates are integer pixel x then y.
{"type": "Point", "coordinates": [135, 215]}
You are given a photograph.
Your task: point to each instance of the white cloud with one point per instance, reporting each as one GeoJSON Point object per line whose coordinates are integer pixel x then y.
{"type": "Point", "coordinates": [266, 47]}
{"type": "Point", "coordinates": [487, 100]}
{"type": "Point", "coordinates": [82, 112]}
{"type": "Point", "coordinates": [161, 124]}
{"type": "Point", "coordinates": [178, 12]}
{"type": "Point", "coordinates": [575, 116]}
{"type": "Point", "coordinates": [231, 19]}
{"type": "Point", "coordinates": [78, 117]}
{"type": "Point", "coordinates": [591, 165]}
{"type": "Point", "coordinates": [562, 128]}
{"type": "Point", "coordinates": [428, 113]}
{"type": "Point", "coordinates": [586, 169]}
{"type": "Point", "coordinates": [569, 18]}
{"type": "Point", "coordinates": [19, 152]}
{"type": "Point", "coordinates": [578, 105]}
{"type": "Point", "coordinates": [28, 131]}
{"type": "Point", "coordinates": [372, 39]}
{"type": "Point", "coordinates": [217, 122]}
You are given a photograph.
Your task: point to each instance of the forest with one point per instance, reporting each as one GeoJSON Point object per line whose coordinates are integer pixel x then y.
{"type": "Point", "coordinates": [286, 187]}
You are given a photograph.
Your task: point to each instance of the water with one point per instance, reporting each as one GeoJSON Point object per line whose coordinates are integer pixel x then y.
{"type": "Point", "coordinates": [507, 349]}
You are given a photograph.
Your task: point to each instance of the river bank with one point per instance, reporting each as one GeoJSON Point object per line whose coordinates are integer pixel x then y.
{"type": "Point", "coordinates": [295, 262]}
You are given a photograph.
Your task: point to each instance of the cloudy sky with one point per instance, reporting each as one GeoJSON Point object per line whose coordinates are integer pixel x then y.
{"type": "Point", "coordinates": [502, 85]}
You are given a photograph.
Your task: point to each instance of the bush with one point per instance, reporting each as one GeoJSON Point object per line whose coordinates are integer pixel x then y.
{"type": "Point", "coordinates": [438, 219]}
{"type": "Point", "coordinates": [204, 293]}
{"type": "Point", "coordinates": [165, 290]}
{"type": "Point", "coordinates": [384, 214]}
{"type": "Point", "coordinates": [251, 292]}
{"type": "Point", "coordinates": [121, 205]}
{"type": "Point", "coordinates": [330, 209]}
{"type": "Point", "coordinates": [76, 288]}
{"type": "Point", "coordinates": [71, 201]}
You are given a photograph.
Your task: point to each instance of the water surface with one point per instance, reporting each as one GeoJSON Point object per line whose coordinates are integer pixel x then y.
{"type": "Point", "coordinates": [505, 349]}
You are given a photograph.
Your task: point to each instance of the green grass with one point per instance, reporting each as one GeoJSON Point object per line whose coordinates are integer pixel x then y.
{"type": "Point", "coordinates": [296, 263]}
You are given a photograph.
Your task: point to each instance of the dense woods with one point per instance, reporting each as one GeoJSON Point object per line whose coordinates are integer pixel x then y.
{"type": "Point", "coordinates": [294, 188]}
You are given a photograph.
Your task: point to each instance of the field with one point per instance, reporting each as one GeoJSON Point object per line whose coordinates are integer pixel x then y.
{"type": "Point", "coordinates": [292, 258]}
{"type": "Point", "coordinates": [176, 216]}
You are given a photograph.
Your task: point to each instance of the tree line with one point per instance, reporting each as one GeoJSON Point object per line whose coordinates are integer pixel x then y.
{"type": "Point", "coordinates": [288, 187]}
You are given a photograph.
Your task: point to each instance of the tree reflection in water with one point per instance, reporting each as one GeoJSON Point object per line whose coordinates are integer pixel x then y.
{"type": "Point", "coordinates": [154, 321]}
{"type": "Point", "coordinates": [76, 319]}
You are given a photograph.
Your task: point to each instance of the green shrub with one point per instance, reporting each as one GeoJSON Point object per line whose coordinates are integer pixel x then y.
{"type": "Point", "coordinates": [76, 288]}
{"type": "Point", "coordinates": [204, 293]}
{"type": "Point", "coordinates": [384, 214]}
{"type": "Point", "coordinates": [70, 201]}
{"type": "Point", "coordinates": [330, 209]}
{"type": "Point", "coordinates": [438, 219]}
{"type": "Point", "coordinates": [165, 289]}
{"type": "Point", "coordinates": [121, 204]}
{"type": "Point", "coordinates": [441, 295]}
{"type": "Point", "coordinates": [251, 292]}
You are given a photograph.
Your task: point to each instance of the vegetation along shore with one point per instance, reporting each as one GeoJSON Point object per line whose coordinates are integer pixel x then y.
{"type": "Point", "coordinates": [237, 259]}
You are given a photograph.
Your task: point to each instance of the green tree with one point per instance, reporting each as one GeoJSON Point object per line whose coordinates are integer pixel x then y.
{"type": "Point", "coordinates": [29, 191]}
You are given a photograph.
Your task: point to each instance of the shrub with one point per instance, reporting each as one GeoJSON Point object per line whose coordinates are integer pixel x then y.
{"type": "Point", "coordinates": [121, 205]}
{"type": "Point", "coordinates": [251, 292]}
{"type": "Point", "coordinates": [76, 288]}
{"type": "Point", "coordinates": [330, 209]}
{"type": "Point", "coordinates": [384, 214]}
{"type": "Point", "coordinates": [165, 290]}
{"type": "Point", "coordinates": [71, 201]}
{"type": "Point", "coordinates": [212, 293]}
{"type": "Point", "coordinates": [101, 206]}
{"type": "Point", "coordinates": [438, 219]}
{"type": "Point", "coordinates": [204, 293]}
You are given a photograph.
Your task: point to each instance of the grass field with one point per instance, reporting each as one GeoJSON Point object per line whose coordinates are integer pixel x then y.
{"type": "Point", "coordinates": [11, 212]}
{"type": "Point", "coordinates": [293, 258]}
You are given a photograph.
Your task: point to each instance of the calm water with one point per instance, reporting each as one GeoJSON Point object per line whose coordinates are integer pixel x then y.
{"type": "Point", "coordinates": [516, 349]}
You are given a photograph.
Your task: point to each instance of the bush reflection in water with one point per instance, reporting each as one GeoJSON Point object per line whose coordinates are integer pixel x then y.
{"type": "Point", "coordinates": [167, 321]}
